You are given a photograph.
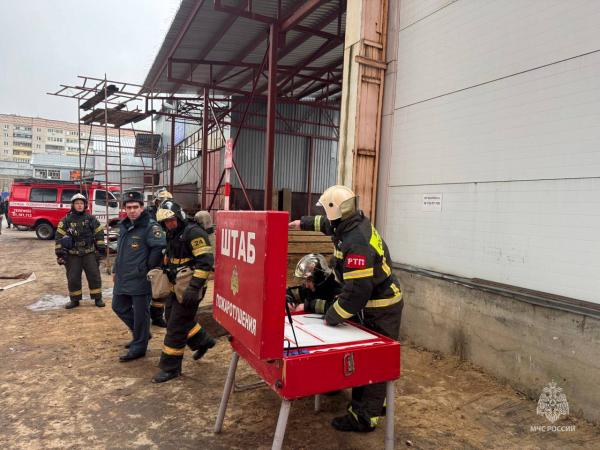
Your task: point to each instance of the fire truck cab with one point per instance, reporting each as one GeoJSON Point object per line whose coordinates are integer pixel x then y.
{"type": "Point", "coordinates": [40, 204]}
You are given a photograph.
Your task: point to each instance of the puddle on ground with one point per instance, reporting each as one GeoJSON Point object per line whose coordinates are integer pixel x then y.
{"type": "Point", "coordinates": [49, 302]}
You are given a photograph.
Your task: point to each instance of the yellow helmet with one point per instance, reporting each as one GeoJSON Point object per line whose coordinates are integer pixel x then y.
{"type": "Point", "coordinates": [163, 194]}
{"type": "Point", "coordinates": [169, 209]}
{"type": "Point", "coordinates": [339, 202]}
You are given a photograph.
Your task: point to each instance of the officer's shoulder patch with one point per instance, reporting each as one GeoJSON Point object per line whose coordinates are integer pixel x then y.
{"type": "Point", "coordinates": [157, 231]}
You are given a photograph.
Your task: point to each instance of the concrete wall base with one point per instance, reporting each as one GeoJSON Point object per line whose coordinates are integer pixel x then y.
{"type": "Point", "coordinates": [525, 345]}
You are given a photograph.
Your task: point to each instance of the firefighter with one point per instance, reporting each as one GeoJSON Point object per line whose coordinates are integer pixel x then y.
{"type": "Point", "coordinates": [139, 249]}
{"type": "Point", "coordinates": [161, 195]}
{"type": "Point", "coordinates": [370, 292]}
{"type": "Point", "coordinates": [187, 247]}
{"type": "Point", "coordinates": [157, 305]}
{"type": "Point", "coordinates": [319, 287]}
{"type": "Point", "coordinates": [78, 241]}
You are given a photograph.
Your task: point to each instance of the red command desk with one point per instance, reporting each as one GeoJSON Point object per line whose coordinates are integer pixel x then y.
{"type": "Point", "coordinates": [306, 359]}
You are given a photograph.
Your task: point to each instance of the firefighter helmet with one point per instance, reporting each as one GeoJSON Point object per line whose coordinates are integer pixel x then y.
{"type": "Point", "coordinates": [313, 265]}
{"type": "Point", "coordinates": [169, 209]}
{"type": "Point", "coordinates": [339, 202]}
{"type": "Point", "coordinates": [162, 194]}
{"type": "Point", "coordinates": [204, 219]}
{"type": "Point", "coordinates": [79, 196]}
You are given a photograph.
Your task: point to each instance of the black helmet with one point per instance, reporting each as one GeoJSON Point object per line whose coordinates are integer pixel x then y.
{"type": "Point", "coordinates": [169, 209]}
{"type": "Point", "coordinates": [133, 196]}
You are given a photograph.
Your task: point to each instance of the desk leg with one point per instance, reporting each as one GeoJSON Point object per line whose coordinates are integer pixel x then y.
{"type": "Point", "coordinates": [227, 391]}
{"type": "Point", "coordinates": [389, 416]}
{"type": "Point", "coordinates": [284, 413]}
{"type": "Point", "coordinates": [317, 403]}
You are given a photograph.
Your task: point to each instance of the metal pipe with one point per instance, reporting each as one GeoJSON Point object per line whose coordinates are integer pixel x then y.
{"type": "Point", "coordinates": [226, 392]}
{"type": "Point", "coordinates": [271, 110]}
{"type": "Point", "coordinates": [172, 160]}
{"type": "Point", "coordinates": [389, 416]}
{"type": "Point", "coordinates": [205, 118]}
{"type": "Point", "coordinates": [284, 413]}
{"type": "Point", "coordinates": [309, 175]}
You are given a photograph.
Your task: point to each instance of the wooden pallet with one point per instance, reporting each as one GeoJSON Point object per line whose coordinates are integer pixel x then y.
{"type": "Point", "coordinates": [301, 243]}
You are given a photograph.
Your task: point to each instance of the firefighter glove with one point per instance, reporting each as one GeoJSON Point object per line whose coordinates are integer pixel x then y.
{"type": "Point", "coordinates": [191, 295]}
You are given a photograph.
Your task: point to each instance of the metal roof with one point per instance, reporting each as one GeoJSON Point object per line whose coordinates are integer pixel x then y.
{"type": "Point", "coordinates": [227, 37]}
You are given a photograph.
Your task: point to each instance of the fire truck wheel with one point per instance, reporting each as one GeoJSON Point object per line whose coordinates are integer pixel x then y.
{"type": "Point", "coordinates": [44, 231]}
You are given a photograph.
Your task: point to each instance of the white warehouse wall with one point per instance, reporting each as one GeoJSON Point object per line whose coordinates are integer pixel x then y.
{"type": "Point", "coordinates": [495, 107]}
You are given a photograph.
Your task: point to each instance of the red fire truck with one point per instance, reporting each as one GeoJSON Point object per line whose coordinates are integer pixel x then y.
{"type": "Point", "coordinates": [40, 204]}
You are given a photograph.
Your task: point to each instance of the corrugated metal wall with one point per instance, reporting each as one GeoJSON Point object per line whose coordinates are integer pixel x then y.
{"type": "Point", "coordinates": [291, 151]}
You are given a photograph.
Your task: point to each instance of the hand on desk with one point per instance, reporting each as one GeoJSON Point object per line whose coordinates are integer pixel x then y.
{"type": "Point", "coordinates": [294, 225]}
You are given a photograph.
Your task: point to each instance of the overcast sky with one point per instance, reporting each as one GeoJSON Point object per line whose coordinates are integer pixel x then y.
{"type": "Point", "coordinates": [45, 43]}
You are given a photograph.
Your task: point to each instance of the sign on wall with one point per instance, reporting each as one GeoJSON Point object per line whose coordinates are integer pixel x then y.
{"type": "Point", "coordinates": [432, 202]}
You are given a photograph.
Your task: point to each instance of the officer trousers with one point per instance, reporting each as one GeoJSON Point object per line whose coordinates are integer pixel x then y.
{"type": "Point", "coordinates": [182, 330]}
{"type": "Point", "coordinates": [134, 311]}
{"type": "Point", "coordinates": [74, 265]}
{"type": "Point", "coordinates": [367, 401]}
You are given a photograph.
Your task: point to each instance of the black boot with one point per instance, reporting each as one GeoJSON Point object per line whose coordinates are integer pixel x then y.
{"type": "Point", "coordinates": [159, 322]}
{"type": "Point", "coordinates": [349, 423]}
{"type": "Point", "coordinates": [164, 376]}
{"type": "Point", "coordinates": [99, 303]}
{"type": "Point", "coordinates": [207, 344]}
{"type": "Point", "coordinates": [72, 304]}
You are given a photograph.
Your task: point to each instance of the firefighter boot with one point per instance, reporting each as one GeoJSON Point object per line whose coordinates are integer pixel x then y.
{"type": "Point", "coordinates": [99, 303]}
{"type": "Point", "coordinates": [72, 304]}
{"type": "Point", "coordinates": [159, 322]}
{"type": "Point", "coordinates": [164, 376]}
{"type": "Point", "coordinates": [349, 423]}
{"type": "Point", "coordinates": [206, 344]}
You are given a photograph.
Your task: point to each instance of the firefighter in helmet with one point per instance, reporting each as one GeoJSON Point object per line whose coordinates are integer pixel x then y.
{"type": "Point", "coordinates": [160, 196]}
{"type": "Point", "coordinates": [157, 305]}
{"type": "Point", "coordinates": [370, 291]}
{"type": "Point", "coordinates": [188, 246]}
{"type": "Point", "coordinates": [319, 287]}
{"type": "Point", "coordinates": [78, 241]}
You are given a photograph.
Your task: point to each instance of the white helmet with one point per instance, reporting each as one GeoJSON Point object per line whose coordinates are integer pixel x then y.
{"type": "Point", "coordinates": [79, 196]}
{"type": "Point", "coordinates": [339, 202]}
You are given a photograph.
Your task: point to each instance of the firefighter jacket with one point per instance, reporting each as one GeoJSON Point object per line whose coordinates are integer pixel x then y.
{"type": "Point", "coordinates": [189, 246]}
{"type": "Point", "coordinates": [362, 264]}
{"type": "Point", "coordinates": [139, 249]}
{"type": "Point", "coordinates": [85, 232]}
{"type": "Point", "coordinates": [319, 300]}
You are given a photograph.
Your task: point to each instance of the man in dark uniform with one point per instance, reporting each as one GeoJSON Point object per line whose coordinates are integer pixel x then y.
{"type": "Point", "coordinates": [79, 237]}
{"type": "Point", "coordinates": [140, 246]}
{"type": "Point", "coordinates": [319, 287]}
{"type": "Point", "coordinates": [157, 305]}
{"type": "Point", "coordinates": [187, 247]}
{"type": "Point", "coordinates": [8, 221]}
{"type": "Point", "coordinates": [370, 291]}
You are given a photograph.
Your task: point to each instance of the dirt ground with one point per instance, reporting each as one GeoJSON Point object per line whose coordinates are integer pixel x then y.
{"type": "Point", "coordinates": [61, 386]}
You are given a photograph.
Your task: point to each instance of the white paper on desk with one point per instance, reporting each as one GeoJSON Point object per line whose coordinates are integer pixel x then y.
{"type": "Point", "coordinates": [312, 331]}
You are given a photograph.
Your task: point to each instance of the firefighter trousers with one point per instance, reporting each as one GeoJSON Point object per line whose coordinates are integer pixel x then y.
{"type": "Point", "coordinates": [182, 330]}
{"type": "Point", "coordinates": [368, 401]}
{"type": "Point", "coordinates": [157, 308]}
{"type": "Point", "coordinates": [74, 265]}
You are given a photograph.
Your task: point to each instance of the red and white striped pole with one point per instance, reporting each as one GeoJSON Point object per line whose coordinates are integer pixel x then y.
{"type": "Point", "coordinates": [228, 165]}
